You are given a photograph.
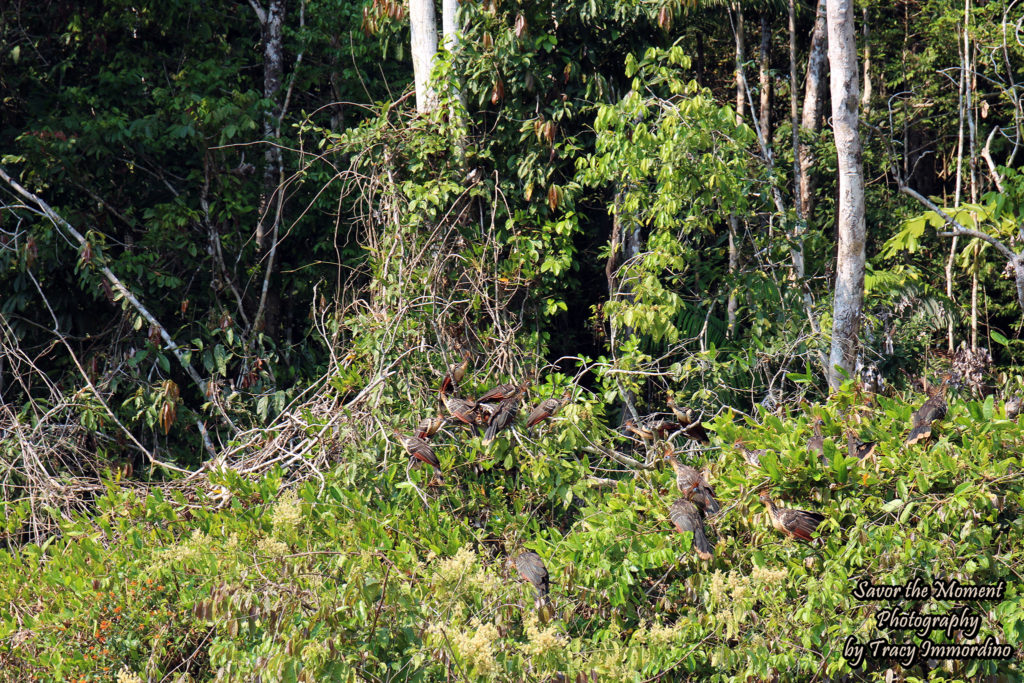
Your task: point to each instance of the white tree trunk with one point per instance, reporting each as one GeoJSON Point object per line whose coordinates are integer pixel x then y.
{"type": "Point", "coordinates": [849, 288]}
{"type": "Point", "coordinates": [449, 28]}
{"type": "Point", "coordinates": [424, 48]}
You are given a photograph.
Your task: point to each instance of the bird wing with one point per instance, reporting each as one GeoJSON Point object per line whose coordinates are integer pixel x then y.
{"type": "Point", "coordinates": [686, 517]}
{"type": "Point", "coordinates": [799, 523]}
{"type": "Point", "coordinates": [531, 567]}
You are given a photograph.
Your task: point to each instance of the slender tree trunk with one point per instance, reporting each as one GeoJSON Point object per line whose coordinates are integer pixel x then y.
{"type": "Point", "coordinates": [849, 288]}
{"type": "Point", "coordinates": [449, 27]}
{"type": "Point", "coordinates": [764, 78]}
{"type": "Point", "coordinates": [424, 48]}
{"type": "Point", "coordinates": [271, 21]}
{"type": "Point", "coordinates": [814, 104]}
{"type": "Point", "coordinates": [865, 96]}
{"type": "Point", "coordinates": [741, 57]}
{"type": "Point", "coordinates": [734, 221]}
{"type": "Point", "coordinates": [794, 120]}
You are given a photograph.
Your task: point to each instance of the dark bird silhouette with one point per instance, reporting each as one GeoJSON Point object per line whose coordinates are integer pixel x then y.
{"type": "Point", "coordinates": [691, 484]}
{"type": "Point", "coordinates": [791, 522]}
{"type": "Point", "coordinates": [531, 567]}
{"type": "Point", "coordinates": [419, 449]}
{"type": "Point", "coordinates": [456, 371]}
{"type": "Point", "coordinates": [503, 419]}
{"type": "Point", "coordinates": [428, 426]}
{"type": "Point", "coordinates": [688, 423]}
{"type": "Point", "coordinates": [687, 517]}
{"type": "Point", "coordinates": [546, 409]}
{"type": "Point", "coordinates": [933, 409]}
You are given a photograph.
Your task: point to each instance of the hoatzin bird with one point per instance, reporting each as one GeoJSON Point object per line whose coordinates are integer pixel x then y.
{"type": "Point", "coordinates": [419, 449]}
{"type": "Point", "coordinates": [502, 392]}
{"type": "Point", "coordinates": [688, 423]}
{"type": "Point", "coordinates": [816, 444]}
{"type": "Point", "coordinates": [428, 426]}
{"type": "Point", "coordinates": [639, 430]}
{"type": "Point", "coordinates": [461, 410]}
{"type": "Point", "coordinates": [793, 523]}
{"type": "Point", "coordinates": [753, 457]}
{"type": "Point", "coordinates": [502, 419]}
{"type": "Point", "coordinates": [691, 483]}
{"type": "Point", "coordinates": [547, 408]}
{"type": "Point", "coordinates": [1013, 405]}
{"type": "Point", "coordinates": [857, 448]}
{"type": "Point", "coordinates": [531, 567]}
{"type": "Point", "coordinates": [456, 371]}
{"type": "Point", "coordinates": [687, 517]}
{"type": "Point", "coordinates": [933, 409]}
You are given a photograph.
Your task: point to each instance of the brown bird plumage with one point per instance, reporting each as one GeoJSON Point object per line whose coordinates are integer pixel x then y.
{"type": "Point", "coordinates": [692, 484]}
{"type": "Point", "coordinates": [503, 419]}
{"type": "Point", "coordinates": [545, 409]}
{"type": "Point", "coordinates": [933, 409]}
{"type": "Point", "coordinates": [456, 371]}
{"type": "Point", "coordinates": [460, 409]}
{"type": "Point", "coordinates": [688, 423]}
{"type": "Point", "coordinates": [502, 392]}
{"type": "Point", "coordinates": [419, 449]}
{"type": "Point", "coordinates": [857, 448]}
{"type": "Point", "coordinates": [428, 426]}
{"type": "Point", "coordinates": [641, 431]}
{"type": "Point", "coordinates": [791, 522]}
{"type": "Point", "coordinates": [753, 457]}
{"type": "Point", "coordinates": [816, 444]}
{"type": "Point", "coordinates": [687, 517]}
{"type": "Point", "coordinates": [531, 567]}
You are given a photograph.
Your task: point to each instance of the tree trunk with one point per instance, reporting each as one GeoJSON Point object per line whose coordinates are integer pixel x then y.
{"type": "Point", "coordinates": [741, 57]}
{"type": "Point", "coordinates": [849, 288]}
{"type": "Point", "coordinates": [764, 78]}
{"type": "Point", "coordinates": [865, 96]}
{"type": "Point", "coordinates": [814, 104]}
{"type": "Point", "coordinates": [271, 22]}
{"type": "Point", "coordinates": [734, 221]}
{"type": "Point", "coordinates": [424, 49]}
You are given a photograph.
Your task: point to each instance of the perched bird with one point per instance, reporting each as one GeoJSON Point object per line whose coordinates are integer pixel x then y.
{"type": "Point", "coordinates": [753, 457]}
{"type": "Point", "coordinates": [531, 567]}
{"type": "Point", "coordinates": [933, 409]}
{"type": "Point", "coordinates": [692, 484]}
{"type": "Point", "coordinates": [428, 426]}
{"type": "Point", "coordinates": [688, 423]}
{"type": "Point", "coordinates": [419, 449]}
{"type": "Point", "coordinates": [1013, 405]}
{"type": "Point", "coordinates": [547, 408]}
{"type": "Point", "coordinates": [687, 517]}
{"type": "Point", "coordinates": [461, 409]}
{"type": "Point", "coordinates": [502, 392]}
{"type": "Point", "coordinates": [456, 371]}
{"type": "Point", "coordinates": [857, 448]}
{"type": "Point", "coordinates": [816, 444]}
{"type": "Point", "coordinates": [793, 523]}
{"type": "Point", "coordinates": [506, 415]}
{"type": "Point", "coordinates": [639, 430]}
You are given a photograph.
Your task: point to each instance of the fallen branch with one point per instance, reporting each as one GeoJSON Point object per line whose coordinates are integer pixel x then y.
{"type": "Point", "coordinates": [58, 221]}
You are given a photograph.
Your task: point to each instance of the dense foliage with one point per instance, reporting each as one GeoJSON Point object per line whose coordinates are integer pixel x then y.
{"type": "Point", "coordinates": [222, 290]}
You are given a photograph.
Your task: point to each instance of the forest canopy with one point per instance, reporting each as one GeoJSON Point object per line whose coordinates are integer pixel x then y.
{"type": "Point", "coordinates": [508, 340]}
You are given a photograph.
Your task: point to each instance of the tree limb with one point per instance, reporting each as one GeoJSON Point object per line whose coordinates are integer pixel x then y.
{"type": "Point", "coordinates": [57, 220]}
